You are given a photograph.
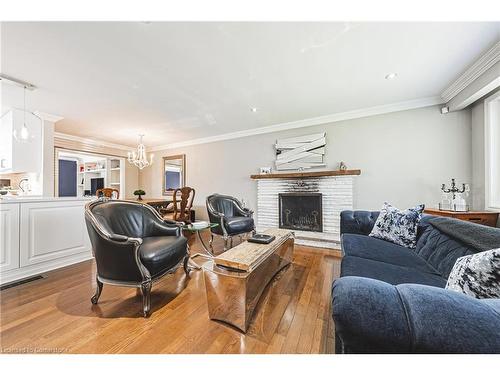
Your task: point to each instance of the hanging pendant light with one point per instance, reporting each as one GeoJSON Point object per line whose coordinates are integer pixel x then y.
{"type": "Point", "coordinates": [23, 135]}
{"type": "Point", "coordinates": [140, 159]}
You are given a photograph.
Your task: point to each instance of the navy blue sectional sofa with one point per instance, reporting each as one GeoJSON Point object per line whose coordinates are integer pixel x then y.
{"type": "Point", "coordinates": [391, 299]}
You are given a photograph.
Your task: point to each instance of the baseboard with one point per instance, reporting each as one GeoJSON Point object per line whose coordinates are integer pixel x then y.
{"type": "Point", "coordinates": [35, 269]}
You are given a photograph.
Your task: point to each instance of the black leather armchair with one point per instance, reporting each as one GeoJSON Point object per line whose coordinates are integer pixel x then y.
{"type": "Point", "coordinates": [133, 246]}
{"type": "Point", "coordinates": [232, 217]}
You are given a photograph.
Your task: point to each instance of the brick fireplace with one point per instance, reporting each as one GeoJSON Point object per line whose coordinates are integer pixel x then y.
{"type": "Point", "coordinates": [309, 203]}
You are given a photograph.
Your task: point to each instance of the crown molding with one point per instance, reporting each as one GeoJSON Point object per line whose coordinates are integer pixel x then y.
{"type": "Point", "coordinates": [48, 117]}
{"type": "Point", "coordinates": [341, 116]}
{"type": "Point", "coordinates": [91, 141]}
{"type": "Point", "coordinates": [486, 61]}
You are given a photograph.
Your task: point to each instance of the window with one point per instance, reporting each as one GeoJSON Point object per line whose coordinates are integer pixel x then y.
{"type": "Point", "coordinates": [492, 151]}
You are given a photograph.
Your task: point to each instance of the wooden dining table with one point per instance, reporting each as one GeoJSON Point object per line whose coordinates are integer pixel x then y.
{"type": "Point", "coordinates": [160, 203]}
{"type": "Point", "coordinates": [156, 203]}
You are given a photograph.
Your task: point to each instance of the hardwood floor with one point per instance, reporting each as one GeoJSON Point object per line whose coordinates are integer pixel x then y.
{"type": "Point", "coordinates": [55, 314]}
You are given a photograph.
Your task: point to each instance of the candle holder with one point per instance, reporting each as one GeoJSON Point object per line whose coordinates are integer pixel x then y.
{"type": "Point", "coordinates": [457, 203]}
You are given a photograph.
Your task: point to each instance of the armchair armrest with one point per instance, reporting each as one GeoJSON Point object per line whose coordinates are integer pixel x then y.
{"type": "Point", "coordinates": [357, 222]}
{"type": "Point", "coordinates": [166, 228]}
{"type": "Point", "coordinates": [373, 316]}
{"type": "Point", "coordinates": [240, 209]}
{"type": "Point", "coordinates": [244, 211]}
{"type": "Point", "coordinates": [117, 256]}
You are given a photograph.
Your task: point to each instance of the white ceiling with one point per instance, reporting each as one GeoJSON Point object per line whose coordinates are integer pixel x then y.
{"type": "Point", "coordinates": [178, 81]}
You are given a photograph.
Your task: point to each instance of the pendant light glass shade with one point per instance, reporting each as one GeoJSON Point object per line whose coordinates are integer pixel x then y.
{"type": "Point", "coordinates": [23, 135]}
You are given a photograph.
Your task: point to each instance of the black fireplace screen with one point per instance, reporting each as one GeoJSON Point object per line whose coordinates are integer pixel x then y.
{"type": "Point", "coordinates": [301, 211]}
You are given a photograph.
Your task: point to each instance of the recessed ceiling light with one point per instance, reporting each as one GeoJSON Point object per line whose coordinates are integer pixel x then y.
{"type": "Point", "coordinates": [391, 76]}
{"type": "Point", "coordinates": [253, 109]}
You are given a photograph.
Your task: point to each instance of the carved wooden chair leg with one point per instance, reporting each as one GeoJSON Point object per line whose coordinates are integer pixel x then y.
{"type": "Point", "coordinates": [185, 264]}
{"type": "Point", "coordinates": [98, 291]}
{"type": "Point", "coordinates": [146, 298]}
{"type": "Point", "coordinates": [210, 243]}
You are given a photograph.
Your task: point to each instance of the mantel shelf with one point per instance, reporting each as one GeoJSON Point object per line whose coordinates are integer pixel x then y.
{"type": "Point", "coordinates": [349, 172]}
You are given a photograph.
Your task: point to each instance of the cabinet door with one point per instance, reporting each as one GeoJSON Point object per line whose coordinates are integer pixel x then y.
{"type": "Point", "coordinates": [52, 230]}
{"type": "Point", "coordinates": [9, 236]}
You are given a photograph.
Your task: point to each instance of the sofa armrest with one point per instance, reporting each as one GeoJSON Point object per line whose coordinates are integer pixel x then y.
{"type": "Point", "coordinates": [376, 317]}
{"type": "Point", "coordinates": [357, 222]}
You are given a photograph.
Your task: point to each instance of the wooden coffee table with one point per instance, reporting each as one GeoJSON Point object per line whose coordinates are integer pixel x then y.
{"type": "Point", "coordinates": [233, 293]}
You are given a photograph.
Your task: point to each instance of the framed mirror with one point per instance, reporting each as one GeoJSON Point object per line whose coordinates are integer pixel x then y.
{"type": "Point", "coordinates": [174, 173]}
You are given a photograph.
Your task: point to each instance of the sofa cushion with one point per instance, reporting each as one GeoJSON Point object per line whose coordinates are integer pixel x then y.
{"type": "Point", "coordinates": [390, 273]}
{"type": "Point", "coordinates": [477, 275]}
{"type": "Point", "coordinates": [398, 226]}
{"type": "Point", "coordinates": [440, 251]}
{"type": "Point", "coordinates": [383, 251]}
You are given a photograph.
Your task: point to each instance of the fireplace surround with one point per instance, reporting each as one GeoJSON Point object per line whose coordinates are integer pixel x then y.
{"type": "Point", "coordinates": [337, 194]}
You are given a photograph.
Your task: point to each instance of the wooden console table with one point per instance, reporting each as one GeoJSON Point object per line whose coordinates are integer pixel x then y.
{"type": "Point", "coordinates": [480, 217]}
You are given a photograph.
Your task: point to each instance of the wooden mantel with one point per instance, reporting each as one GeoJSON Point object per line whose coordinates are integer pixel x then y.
{"type": "Point", "coordinates": [349, 172]}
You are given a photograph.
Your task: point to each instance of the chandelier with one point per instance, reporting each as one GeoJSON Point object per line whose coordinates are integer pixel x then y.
{"type": "Point", "coordinates": [140, 159]}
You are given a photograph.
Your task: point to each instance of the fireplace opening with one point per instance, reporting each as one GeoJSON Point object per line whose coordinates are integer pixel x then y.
{"type": "Point", "coordinates": [301, 211]}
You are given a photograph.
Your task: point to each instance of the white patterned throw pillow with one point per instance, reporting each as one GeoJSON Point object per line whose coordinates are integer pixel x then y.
{"type": "Point", "coordinates": [477, 275]}
{"type": "Point", "coordinates": [398, 226]}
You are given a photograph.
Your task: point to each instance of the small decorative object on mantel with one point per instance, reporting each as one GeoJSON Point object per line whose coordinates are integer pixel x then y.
{"type": "Point", "coordinates": [342, 166]}
{"type": "Point", "coordinates": [139, 193]}
{"type": "Point", "coordinates": [457, 202]}
{"type": "Point", "coordinates": [300, 153]}
{"type": "Point", "coordinates": [265, 170]}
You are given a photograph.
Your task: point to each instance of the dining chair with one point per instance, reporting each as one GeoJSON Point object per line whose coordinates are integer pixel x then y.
{"type": "Point", "coordinates": [182, 203]}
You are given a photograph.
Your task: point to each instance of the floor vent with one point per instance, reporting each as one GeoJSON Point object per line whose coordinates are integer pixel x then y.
{"type": "Point", "coordinates": [20, 282]}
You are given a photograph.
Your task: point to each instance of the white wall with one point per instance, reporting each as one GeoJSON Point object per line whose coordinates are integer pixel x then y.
{"type": "Point", "coordinates": [404, 158]}
{"type": "Point", "coordinates": [131, 180]}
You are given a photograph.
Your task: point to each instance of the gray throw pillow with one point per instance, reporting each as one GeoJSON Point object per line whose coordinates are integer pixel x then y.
{"type": "Point", "coordinates": [399, 227]}
{"type": "Point", "coordinates": [477, 275]}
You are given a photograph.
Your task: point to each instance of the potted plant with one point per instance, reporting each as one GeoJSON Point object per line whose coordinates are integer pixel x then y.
{"type": "Point", "coordinates": [139, 193]}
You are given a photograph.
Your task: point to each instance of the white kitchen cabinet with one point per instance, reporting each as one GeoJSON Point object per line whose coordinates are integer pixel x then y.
{"type": "Point", "coordinates": [41, 234]}
{"type": "Point", "coordinates": [16, 156]}
{"type": "Point", "coordinates": [9, 237]}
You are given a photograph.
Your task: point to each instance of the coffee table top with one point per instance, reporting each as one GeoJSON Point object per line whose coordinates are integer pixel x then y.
{"type": "Point", "coordinates": [247, 255]}
{"type": "Point", "coordinates": [192, 228]}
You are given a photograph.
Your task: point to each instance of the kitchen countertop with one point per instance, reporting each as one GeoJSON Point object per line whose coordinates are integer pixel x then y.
{"type": "Point", "coordinates": [31, 199]}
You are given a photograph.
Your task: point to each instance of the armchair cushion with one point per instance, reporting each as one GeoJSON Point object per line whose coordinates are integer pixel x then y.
{"type": "Point", "coordinates": [239, 224]}
{"type": "Point", "coordinates": [161, 253]}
